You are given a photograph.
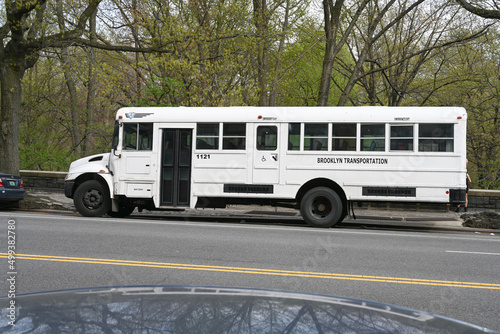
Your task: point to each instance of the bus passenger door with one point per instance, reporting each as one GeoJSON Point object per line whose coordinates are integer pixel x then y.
{"type": "Point", "coordinates": [175, 187]}
{"type": "Point", "coordinates": [266, 157]}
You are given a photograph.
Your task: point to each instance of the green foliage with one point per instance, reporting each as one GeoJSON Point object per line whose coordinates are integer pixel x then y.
{"type": "Point", "coordinates": [40, 156]}
{"type": "Point", "coordinates": [46, 123]}
{"type": "Point", "coordinates": [160, 90]}
{"type": "Point", "coordinates": [468, 75]}
{"type": "Point", "coordinates": [211, 58]}
{"type": "Point", "coordinates": [302, 63]}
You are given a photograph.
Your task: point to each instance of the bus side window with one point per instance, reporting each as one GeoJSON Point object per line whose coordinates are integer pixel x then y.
{"type": "Point", "coordinates": [207, 136]}
{"type": "Point", "coordinates": [234, 136]}
{"type": "Point", "coordinates": [267, 138]}
{"type": "Point", "coordinates": [129, 136]}
{"type": "Point", "coordinates": [401, 137]}
{"type": "Point", "coordinates": [435, 138]}
{"type": "Point", "coordinates": [373, 137]}
{"type": "Point", "coordinates": [294, 137]}
{"type": "Point", "coordinates": [316, 137]}
{"type": "Point", "coordinates": [344, 136]}
{"type": "Point", "coordinates": [145, 137]}
{"type": "Point", "coordinates": [137, 136]}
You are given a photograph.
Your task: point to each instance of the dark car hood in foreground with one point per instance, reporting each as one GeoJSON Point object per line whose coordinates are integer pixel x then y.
{"type": "Point", "coordinates": [185, 309]}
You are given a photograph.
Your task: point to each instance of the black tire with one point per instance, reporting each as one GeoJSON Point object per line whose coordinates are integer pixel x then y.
{"type": "Point", "coordinates": [321, 207]}
{"type": "Point", "coordinates": [91, 199]}
{"type": "Point", "coordinates": [124, 210]}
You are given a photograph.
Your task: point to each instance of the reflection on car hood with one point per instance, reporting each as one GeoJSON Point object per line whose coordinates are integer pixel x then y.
{"type": "Point", "coordinates": [187, 309]}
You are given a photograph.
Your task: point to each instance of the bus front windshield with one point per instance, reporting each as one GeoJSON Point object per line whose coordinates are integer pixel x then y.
{"type": "Point", "coordinates": [115, 135]}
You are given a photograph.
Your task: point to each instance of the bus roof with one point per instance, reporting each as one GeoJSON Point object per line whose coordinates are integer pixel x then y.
{"type": "Point", "coordinates": [291, 114]}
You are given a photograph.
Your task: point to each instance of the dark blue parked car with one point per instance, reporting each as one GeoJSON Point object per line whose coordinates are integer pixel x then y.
{"type": "Point", "coordinates": [11, 189]}
{"type": "Point", "coordinates": [192, 309]}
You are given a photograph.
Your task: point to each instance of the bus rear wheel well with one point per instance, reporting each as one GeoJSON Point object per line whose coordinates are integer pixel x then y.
{"type": "Point", "coordinates": [323, 182]}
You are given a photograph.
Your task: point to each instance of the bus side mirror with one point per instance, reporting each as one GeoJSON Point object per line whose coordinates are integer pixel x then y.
{"type": "Point", "coordinates": [114, 153]}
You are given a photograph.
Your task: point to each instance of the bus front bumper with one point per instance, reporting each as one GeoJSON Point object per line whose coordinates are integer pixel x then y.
{"type": "Point", "coordinates": [68, 188]}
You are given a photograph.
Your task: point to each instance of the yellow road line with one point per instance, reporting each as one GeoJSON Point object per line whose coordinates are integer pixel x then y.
{"type": "Point", "coordinates": [257, 271]}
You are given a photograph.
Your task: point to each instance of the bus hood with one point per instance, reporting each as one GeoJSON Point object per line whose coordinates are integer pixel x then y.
{"type": "Point", "coordinates": [92, 164]}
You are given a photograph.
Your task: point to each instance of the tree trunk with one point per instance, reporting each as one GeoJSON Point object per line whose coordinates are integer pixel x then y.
{"type": "Point", "coordinates": [10, 81]}
{"type": "Point", "coordinates": [483, 12]}
{"type": "Point", "coordinates": [91, 96]}
{"type": "Point", "coordinates": [76, 134]}
{"type": "Point", "coordinates": [261, 21]}
{"type": "Point", "coordinates": [277, 67]}
{"type": "Point", "coordinates": [333, 45]}
{"type": "Point", "coordinates": [354, 75]}
{"type": "Point", "coordinates": [326, 72]}
{"type": "Point", "coordinates": [263, 63]}
{"type": "Point", "coordinates": [92, 88]}
{"type": "Point", "coordinates": [331, 14]}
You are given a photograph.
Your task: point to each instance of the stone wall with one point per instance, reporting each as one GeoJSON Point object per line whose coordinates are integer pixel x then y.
{"type": "Point", "coordinates": [43, 180]}
{"type": "Point", "coordinates": [479, 199]}
{"type": "Point", "coordinates": [484, 199]}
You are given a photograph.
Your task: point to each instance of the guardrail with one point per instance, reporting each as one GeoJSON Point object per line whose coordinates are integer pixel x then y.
{"type": "Point", "coordinates": [54, 181]}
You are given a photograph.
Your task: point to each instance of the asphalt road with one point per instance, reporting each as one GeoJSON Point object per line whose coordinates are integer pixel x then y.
{"type": "Point", "coordinates": [456, 274]}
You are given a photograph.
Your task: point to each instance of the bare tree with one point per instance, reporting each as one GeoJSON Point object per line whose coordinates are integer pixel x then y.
{"type": "Point", "coordinates": [261, 17]}
{"type": "Point", "coordinates": [69, 76]}
{"type": "Point", "coordinates": [25, 33]}
{"type": "Point", "coordinates": [23, 36]}
{"type": "Point", "coordinates": [274, 26]}
{"type": "Point", "coordinates": [333, 45]}
{"type": "Point", "coordinates": [372, 35]}
{"type": "Point", "coordinates": [398, 58]}
{"type": "Point", "coordinates": [91, 86]}
{"type": "Point", "coordinates": [480, 8]}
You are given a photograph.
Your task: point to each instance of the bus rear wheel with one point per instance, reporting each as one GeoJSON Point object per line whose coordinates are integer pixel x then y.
{"type": "Point", "coordinates": [321, 207]}
{"type": "Point", "coordinates": [91, 199]}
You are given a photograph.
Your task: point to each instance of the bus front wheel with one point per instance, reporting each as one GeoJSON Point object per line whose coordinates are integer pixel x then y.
{"type": "Point", "coordinates": [91, 199]}
{"type": "Point", "coordinates": [321, 207]}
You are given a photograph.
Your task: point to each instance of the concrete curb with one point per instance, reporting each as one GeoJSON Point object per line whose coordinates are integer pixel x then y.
{"type": "Point", "coordinates": [435, 220]}
{"type": "Point", "coordinates": [363, 222]}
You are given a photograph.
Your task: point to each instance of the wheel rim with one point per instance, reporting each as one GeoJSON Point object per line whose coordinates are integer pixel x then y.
{"type": "Point", "coordinates": [321, 207]}
{"type": "Point", "coordinates": [93, 199]}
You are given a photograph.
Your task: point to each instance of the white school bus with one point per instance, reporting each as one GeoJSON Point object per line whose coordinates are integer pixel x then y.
{"type": "Point", "coordinates": [316, 159]}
